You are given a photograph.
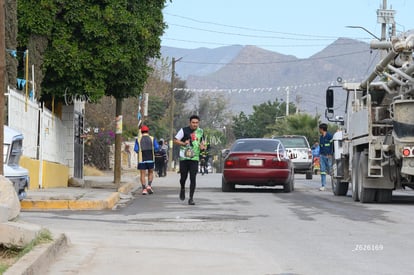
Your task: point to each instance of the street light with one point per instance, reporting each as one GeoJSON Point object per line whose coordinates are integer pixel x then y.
{"type": "Point", "coordinates": [359, 27]}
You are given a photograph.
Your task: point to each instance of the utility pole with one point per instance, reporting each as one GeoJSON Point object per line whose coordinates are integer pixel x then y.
{"type": "Point", "coordinates": [385, 17]}
{"type": "Point", "coordinates": [2, 76]}
{"type": "Point", "coordinates": [287, 101]}
{"type": "Point", "coordinates": [172, 107]}
{"type": "Point", "coordinates": [118, 142]}
{"type": "Point", "coordinates": [298, 100]}
{"type": "Point", "coordinates": [383, 23]}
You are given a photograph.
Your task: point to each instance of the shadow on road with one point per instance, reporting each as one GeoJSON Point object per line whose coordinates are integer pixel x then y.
{"type": "Point", "coordinates": [249, 190]}
{"type": "Point", "coordinates": [402, 199]}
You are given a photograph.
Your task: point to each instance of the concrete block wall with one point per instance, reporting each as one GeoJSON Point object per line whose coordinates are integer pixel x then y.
{"type": "Point", "coordinates": [23, 115]}
{"type": "Point", "coordinates": [54, 136]}
{"type": "Point", "coordinates": [56, 140]}
{"type": "Point", "coordinates": [68, 115]}
{"type": "Point", "coordinates": [67, 120]}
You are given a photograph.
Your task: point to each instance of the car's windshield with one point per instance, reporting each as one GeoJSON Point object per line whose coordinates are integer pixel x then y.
{"type": "Point", "coordinates": [257, 146]}
{"type": "Point", "coordinates": [293, 142]}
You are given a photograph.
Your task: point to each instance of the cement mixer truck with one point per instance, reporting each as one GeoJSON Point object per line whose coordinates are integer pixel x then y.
{"type": "Point", "coordinates": [374, 148]}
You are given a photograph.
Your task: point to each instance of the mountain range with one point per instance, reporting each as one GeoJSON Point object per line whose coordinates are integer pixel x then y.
{"type": "Point", "coordinates": [249, 75]}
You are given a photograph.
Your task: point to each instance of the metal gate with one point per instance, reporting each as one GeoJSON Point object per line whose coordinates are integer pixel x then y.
{"type": "Point", "coordinates": [78, 146]}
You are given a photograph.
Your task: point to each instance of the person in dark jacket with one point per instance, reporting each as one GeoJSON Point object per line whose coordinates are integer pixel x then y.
{"type": "Point", "coordinates": [160, 159]}
{"type": "Point", "coordinates": [325, 153]}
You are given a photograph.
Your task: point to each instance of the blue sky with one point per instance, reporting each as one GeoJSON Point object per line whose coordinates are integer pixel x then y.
{"type": "Point", "coordinates": [299, 28]}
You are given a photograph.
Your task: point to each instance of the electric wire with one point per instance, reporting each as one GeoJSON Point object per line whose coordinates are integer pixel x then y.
{"type": "Point", "coordinates": [253, 35]}
{"type": "Point", "coordinates": [257, 45]}
{"type": "Point", "coordinates": [290, 36]}
{"type": "Point", "coordinates": [255, 30]}
{"type": "Point", "coordinates": [273, 62]}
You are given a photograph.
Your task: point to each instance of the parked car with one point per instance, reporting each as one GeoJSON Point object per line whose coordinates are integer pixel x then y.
{"type": "Point", "coordinates": [257, 162]}
{"type": "Point", "coordinates": [12, 151]}
{"type": "Point", "coordinates": [298, 147]}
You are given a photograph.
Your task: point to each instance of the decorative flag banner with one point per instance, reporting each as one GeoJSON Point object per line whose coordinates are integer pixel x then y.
{"type": "Point", "coordinates": [21, 83]}
{"type": "Point", "coordinates": [12, 53]}
{"type": "Point", "coordinates": [261, 89]}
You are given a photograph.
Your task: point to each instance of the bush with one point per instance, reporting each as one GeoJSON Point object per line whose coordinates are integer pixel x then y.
{"type": "Point", "coordinates": [97, 148]}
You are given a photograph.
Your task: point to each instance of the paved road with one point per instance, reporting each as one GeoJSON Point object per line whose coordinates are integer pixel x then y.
{"type": "Point", "coordinates": [250, 231]}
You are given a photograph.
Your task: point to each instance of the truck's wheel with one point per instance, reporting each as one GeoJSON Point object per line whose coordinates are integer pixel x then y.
{"type": "Point", "coordinates": [309, 175]}
{"type": "Point", "coordinates": [339, 188]}
{"type": "Point", "coordinates": [355, 162]}
{"type": "Point", "coordinates": [366, 195]}
{"type": "Point", "coordinates": [384, 195]}
{"type": "Point", "coordinates": [226, 187]}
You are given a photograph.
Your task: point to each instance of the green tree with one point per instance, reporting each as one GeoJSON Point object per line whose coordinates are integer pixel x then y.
{"type": "Point", "coordinates": [297, 124]}
{"type": "Point", "coordinates": [93, 48]}
{"type": "Point", "coordinates": [241, 126]}
{"type": "Point", "coordinates": [259, 123]}
{"type": "Point", "coordinates": [213, 112]}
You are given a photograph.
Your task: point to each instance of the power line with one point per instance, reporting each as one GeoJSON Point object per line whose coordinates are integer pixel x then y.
{"type": "Point", "coordinates": [274, 62]}
{"type": "Point", "coordinates": [255, 36]}
{"type": "Point", "coordinates": [253, 29]}
{"type": "Point", "coordinates": [257, 45]}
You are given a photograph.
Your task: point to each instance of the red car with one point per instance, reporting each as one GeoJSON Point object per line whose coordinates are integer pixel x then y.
{"type": "Point", "coordinates": [257, 162]}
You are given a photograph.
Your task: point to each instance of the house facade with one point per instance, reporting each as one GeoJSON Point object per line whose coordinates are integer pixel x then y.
{"type": "Point", "coordinates": [53, 139]}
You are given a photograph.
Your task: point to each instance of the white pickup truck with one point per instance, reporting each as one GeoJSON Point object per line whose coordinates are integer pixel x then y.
{"type": "Point", "coordinates": [12, 151]}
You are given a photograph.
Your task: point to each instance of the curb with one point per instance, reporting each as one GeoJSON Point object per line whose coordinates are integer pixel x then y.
{"type": "Point", "coordinates": [107, 203]}
{"type": "Point", "coordinates": [126, 188]}
{"type": "Point", "coordinates": [39, 259]}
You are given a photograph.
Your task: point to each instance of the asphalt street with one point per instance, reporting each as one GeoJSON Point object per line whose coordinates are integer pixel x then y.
{"type": "Point", "coordinates": [250, 231]}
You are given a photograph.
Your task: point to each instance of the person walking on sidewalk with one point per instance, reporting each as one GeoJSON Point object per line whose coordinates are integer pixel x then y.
{"type": "Point", "coordinates": [145, 147]}
{"type": "Point", "coordinates": [325, 153]}
{"type": "Point", "coordinates": [160, 160]}
{"type": "Point", "coordinates": [191, 142]}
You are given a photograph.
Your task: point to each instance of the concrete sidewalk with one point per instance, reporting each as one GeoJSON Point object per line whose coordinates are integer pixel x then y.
{"type": "Point", "coordinates": [99, 193]}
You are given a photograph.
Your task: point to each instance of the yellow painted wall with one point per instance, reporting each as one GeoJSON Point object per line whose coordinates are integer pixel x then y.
{"type": "Point", "coordinates": [53, 175]}
{"type": "Point", "coordinates": [33, 166]}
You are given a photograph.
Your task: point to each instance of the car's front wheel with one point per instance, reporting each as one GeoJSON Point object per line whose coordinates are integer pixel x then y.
{"type": "Point", "coordinates": [226, 187]}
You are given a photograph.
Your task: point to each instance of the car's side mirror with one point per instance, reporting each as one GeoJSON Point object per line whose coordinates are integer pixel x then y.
{"type": "Point", "coordinates": [329, 99]}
